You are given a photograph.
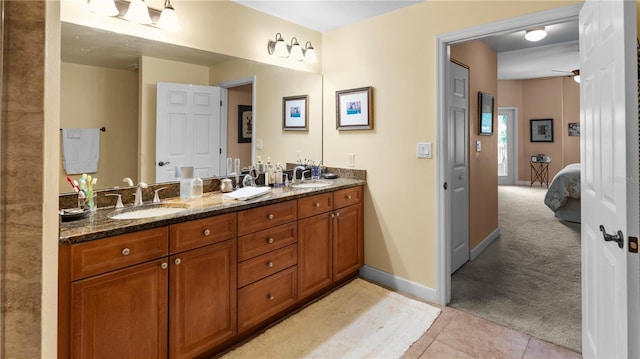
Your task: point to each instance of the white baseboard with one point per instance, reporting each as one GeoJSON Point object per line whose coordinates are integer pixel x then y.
{"type": "Point", "coordinates": [475, 252]}
{"type": "Point", "coordinates": [524, 183]}
{"type": "Point", "coordinates": [400, 284]}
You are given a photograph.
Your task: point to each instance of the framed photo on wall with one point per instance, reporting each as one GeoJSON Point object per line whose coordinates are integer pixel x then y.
{"type": "Point", "coordinates": [354, 109]}
{"type": "Point", "coordinates": [542, 130]}
{"type": "Point", "coordinates": [485, 114]}
{"type": "Point", "coordinates": [574, 129]}
{"type": "Point", "coordinates": [245, 123]}
{"type": "Point", "coordinates": [294, 113]}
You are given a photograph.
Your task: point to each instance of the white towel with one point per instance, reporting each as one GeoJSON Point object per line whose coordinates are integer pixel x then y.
{"type": "Point", "coordinates": [80, 150]}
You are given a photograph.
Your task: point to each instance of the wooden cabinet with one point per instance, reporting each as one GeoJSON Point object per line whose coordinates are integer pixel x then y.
{"type": "Point", "coordinates": [330, 241]}
{"type": "Point", "coordinates": [202, 302]}
{"type": "Point", "coordinates": [118, 297]}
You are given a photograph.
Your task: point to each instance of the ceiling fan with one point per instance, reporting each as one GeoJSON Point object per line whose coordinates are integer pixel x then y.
{"type": "Point", "coordinates": [574, 73]}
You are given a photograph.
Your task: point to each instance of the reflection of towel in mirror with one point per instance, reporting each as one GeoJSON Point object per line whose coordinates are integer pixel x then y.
{"type": "Point", "coordinates": [80, 150]}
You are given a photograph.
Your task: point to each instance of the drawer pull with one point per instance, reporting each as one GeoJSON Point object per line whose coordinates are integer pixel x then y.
{"type": "Point", "coordinates": [270, 240]}
{"type": "Point", "coordinates": [332, 215]}
{"type": "Point", "coordinates": [164, 265]}
{"type": "Point", "coordinates": [316, 204]}
{"type": "Point", "coordinates": [348, 197]}
{"type": "Point", "coordinates": [177, 261]}
{"type": "Point", "coordinates": [270, 216]}
{"type": "Point", "coordinates": [206, 232]}
{"type": "Point", "coordinates": [270, 264]}
{"type": "Point", "coordinates": [338, 214]}
{"type": "Point", "coordinates": [126, 251]}
{"type": "Point", "coordinates": [270, 296]}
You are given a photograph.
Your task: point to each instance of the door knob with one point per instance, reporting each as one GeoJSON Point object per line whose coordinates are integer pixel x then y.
{"type": "Point", "coordinates": [163, 163]}
{"type": "Point", "coordinates": [618, 238]}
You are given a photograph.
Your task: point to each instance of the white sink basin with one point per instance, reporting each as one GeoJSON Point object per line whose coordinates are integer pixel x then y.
{"type": "Point", "coordinates": [311, 184]}
{"type": "Point", "coordinates": [148, 212]}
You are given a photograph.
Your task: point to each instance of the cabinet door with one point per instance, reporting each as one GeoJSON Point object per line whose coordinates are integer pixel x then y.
{"type": "Point", "coordinates": [314, 254]}
{"type": "Point", "coordinates": [121, 314]}
{"type": "Point", "coordinates": [202, 311]}
{"type": "Point", "coordinates": [348, 241]}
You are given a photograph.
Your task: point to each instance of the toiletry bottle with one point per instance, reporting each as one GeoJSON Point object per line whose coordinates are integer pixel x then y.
{"type": "Point", "coordinates": [278, 176]}
{"type": "Point", "coordinates": [269, 171]}
{"type": "Point", "coordinates": [260, 165]}
{"type": "Point", "coordinates": [196, 187]}
{"type": "Point", "coordinates": [186, 176]}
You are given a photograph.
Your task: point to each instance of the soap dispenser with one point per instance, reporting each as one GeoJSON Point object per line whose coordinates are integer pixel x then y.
{"type": "Point", "coordinates": [196, 187]}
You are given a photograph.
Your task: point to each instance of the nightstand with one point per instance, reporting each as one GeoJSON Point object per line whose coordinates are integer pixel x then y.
{"type": "Point", "coordinates": [540, 173]}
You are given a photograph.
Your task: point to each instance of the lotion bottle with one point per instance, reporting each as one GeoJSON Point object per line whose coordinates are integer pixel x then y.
{"type": "Point", "coordinates": [196, 187]}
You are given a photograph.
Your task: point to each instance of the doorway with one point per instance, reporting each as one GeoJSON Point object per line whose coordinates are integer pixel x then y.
{"type": "Point", "coordinates": [507, 144]}
{"type": "Point", "coordinates": [444, 222]}
{"type": "Point", "coordinates": [238, 96]}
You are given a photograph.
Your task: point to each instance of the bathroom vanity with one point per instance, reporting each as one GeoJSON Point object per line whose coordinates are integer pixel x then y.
{"type": "Point", "coordinates": [194, 283]}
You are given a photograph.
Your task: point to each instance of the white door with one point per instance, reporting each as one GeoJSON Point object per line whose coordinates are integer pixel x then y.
{"type": "Point", "coordinates": [609, 178]}
{"type": "Point", "coordinates": [188, 131]}
{"type": "Point", "coordinates": [506, 145]}
{"type": "Point", "coordinates": [459, 144]}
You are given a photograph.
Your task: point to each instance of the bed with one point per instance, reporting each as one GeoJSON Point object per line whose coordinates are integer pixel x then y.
{"type": "Point", "coordinates": [563, 195]}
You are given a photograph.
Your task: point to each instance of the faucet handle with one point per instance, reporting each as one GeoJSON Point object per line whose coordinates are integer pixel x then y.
{"type": "Point", "coordinates": [156, 198]}
{"type": "Point", "coordinates": [119, 201]}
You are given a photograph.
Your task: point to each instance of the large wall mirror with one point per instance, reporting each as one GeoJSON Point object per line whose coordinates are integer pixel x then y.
{"type": "Point", "coordinates": [109, 80]}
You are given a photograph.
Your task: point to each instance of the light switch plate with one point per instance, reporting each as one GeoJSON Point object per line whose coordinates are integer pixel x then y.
{"type": "Point", "coordinates": [478, 146]}
{"type": "Point", "coordinates": [351, 159]}
{"type": "Point", "coordinates": [423, 150]}
{"type": "Point", "coordinates": [258, 144]}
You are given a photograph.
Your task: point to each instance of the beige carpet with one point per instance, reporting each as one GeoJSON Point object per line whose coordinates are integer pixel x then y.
{"type": "Point", "coordinates": [529, 278]}
{"type": "Point", "coordinates": [359, 320]}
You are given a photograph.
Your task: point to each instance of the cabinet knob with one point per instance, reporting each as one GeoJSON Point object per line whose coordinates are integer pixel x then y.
{"type": "Point", "coordinates": [164, 265]}
{"type": "Point", "coordinates": [270, 216]}
{"type": "Point", "coordinates": [177, 261]}
{"type": "Point", "coordinates": [316, 204]}
{"type": "Point", "coordinates": [126, 251]}
{"type": "Point", "coordinates": [270, 264]}
{"type": "Point", "coordinates": [348, 197]}
{"type": "Point", "coordinates": [270, 240]}
{"type": "Point", "coordinates": [338, 214]}
{"type": "Point", "coordinates": [270, 296]}
{"type": "Point", "coordinates": [332, 215]}
{"type": "Point", "coordinates": [206, 232]}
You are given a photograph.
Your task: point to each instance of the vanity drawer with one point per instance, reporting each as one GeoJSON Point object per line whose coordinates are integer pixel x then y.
{"type": "Point", "coordinates": [313, 205]}
{"type": "Point", "coordinates": [255, 219]}
{"type": "Point", "coordinates": [265, 265]}
{"type": "Point", "coordinates": [346, 197]}
{"type": "Point", "coordinates": [201, 232]}
{"type": "Point", "coordinates": [104, 255]}
{"type": "Point", "coordinates": [267, 240]}
{"type": "Point", "coordinates": [259, 301]}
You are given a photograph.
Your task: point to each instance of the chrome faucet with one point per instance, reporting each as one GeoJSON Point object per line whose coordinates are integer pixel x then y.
{"type": "Point", "coordinates": [138, 200]}
{"type": "Point", "coordinates": [295, 170]}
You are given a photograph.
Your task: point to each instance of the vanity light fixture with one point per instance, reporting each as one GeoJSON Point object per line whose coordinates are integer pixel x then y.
{"type": "Point", "coordinates": [576, 75]}
{"type": "Point", "coordinates": [294, 51]}
{"type": "Point", "coordinates": [537, 34]}
{"type": "Point", "coordinates": [138, 12]}
{"type": "Point", "coordinates": [103, 7]}
{"type": "Point", "coordinates": [168, 18]}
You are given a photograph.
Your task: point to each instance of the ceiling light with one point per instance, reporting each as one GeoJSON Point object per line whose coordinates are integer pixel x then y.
{"type": "Point", "coordinates": [296, 51]}
{"type": "Point", "coordinates": [576, 75]}
{"type": "Point", "coordinates": [138, 12]}
{"type": "Point", "coordinates": [535, 34]}
{"type": "Point", "coordinates": [310, 54]}
{"type": "Point", "coordinates": [103, 7]}
{"type": "Point", "coordinates": [168, 18]}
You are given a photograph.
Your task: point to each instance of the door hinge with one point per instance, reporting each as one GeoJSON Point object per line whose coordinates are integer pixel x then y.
{"type": "Point", "coordinates": [220, 151]}
{"type": "Point", "coordinates": [220, 103]}
{"type": "Point", "coordinates": [445, 186]}
{"type": "Point", "coordinates": [633, 244]}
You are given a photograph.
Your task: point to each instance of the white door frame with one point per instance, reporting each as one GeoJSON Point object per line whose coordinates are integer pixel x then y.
{"type": "Point", "coordinates": [443, 237]}
{"type": "Point", "coordinates": [513, 154]}
{"type": "Point", "coordinates": [254, 114]}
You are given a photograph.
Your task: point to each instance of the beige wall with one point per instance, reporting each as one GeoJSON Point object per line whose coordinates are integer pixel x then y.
{"type": "Point", "coordinates": [93, 97]}
{"type": "Point", "coordinates": [400, 224]}
{"type": "Point", "coordinates": [483, 165]}
{"type": "Point", "coordinates": [557, 98]}
{"type": "Point", "coordinates": [240, 95]}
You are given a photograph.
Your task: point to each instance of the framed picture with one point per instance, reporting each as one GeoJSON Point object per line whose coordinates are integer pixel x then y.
{"type": "Point", "coordinates": [354, 109]}
{"type": "Point", "coordinates": [294, 113]}
{"type": "Point", "coordinates": [485, 114]}
{"type": "Point", "coordinates": [574, 129]}
{"type": "Point", "coordinates": [245, 123]}
{"type": "Point", "coordinates": [542, 130]}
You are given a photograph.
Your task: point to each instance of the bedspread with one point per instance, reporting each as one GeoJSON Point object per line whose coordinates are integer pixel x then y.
{"type": "Point", "coordinates": [565, 185]}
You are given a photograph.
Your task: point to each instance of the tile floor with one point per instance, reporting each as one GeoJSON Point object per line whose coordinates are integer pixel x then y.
{"type": "Point", "coordinates": [456, 334]}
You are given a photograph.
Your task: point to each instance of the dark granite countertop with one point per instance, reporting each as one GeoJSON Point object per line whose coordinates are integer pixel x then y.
{"type": "Point", "coordinates": [98, 224]}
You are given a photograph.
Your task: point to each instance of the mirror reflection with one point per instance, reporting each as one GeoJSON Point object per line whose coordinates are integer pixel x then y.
{"type": "Point", "coordinates": [110, 80]}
